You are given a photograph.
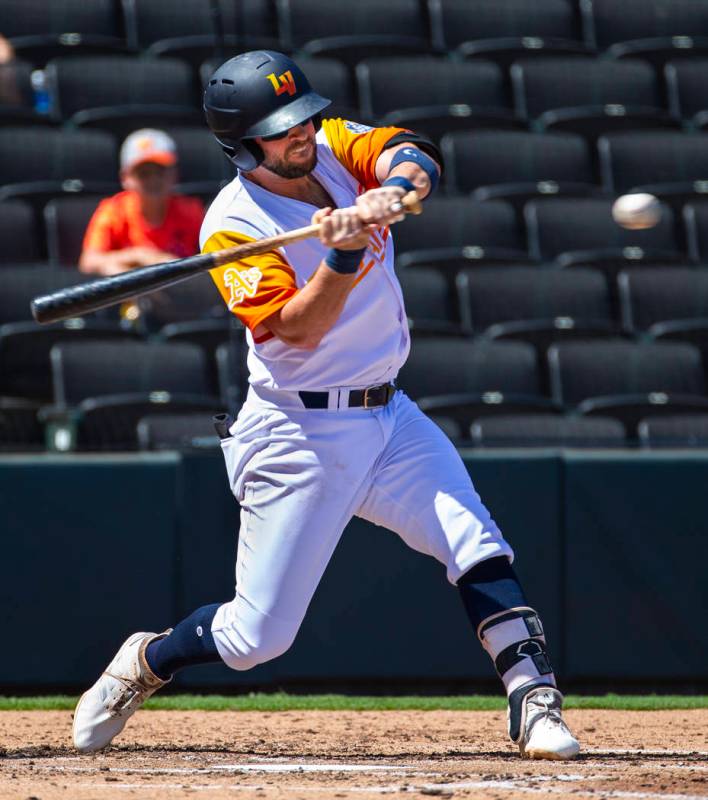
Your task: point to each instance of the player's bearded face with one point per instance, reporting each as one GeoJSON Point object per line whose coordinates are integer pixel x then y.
{"type": "Point", "coordinates": [294, 156]}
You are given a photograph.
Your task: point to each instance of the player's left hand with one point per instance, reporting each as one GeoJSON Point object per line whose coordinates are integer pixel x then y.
{"type": "Point", "coordinates": [375, 205]}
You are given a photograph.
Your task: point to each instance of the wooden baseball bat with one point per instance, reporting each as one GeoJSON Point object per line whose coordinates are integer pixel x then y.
{"type": "Point", "coordinates": [104, 292]}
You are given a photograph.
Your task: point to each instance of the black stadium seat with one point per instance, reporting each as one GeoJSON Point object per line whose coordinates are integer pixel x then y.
{"type": "Point", "coordinates": [17, 96]}
{"type": "Point", "coordinates": [655, 295]}
{"type": "Point", "coordinates": [696, 220]}
{"type": "Point", "coordinates": [459, 232]}
{"type": "Point", "coordinates": [66, 219]}
{"type": "Point", "coordinates": [588, 96]}
{"type": "Point", "coordinates": [688, 91]}
{"type": "Point", "coordinates": [122, 93]}
{"type": "Point", "coordinates": [464, 380]}
{"type": "Point", "coordinates": [20, 241]}
{"type": "Point", "coordinates": [232, 372]}
{"type": "Point", "coordinates": [546, 430]}
{"type": "Point", "coordinates": [506, 29]}
{"type": "Point", "coordinates": [105, 388]}
{"type": "Point", "coordinates": [24, 352]}
{"type": "Point", "coordinates": [22, 283]}
{"type": "Point", "coordinates": [202, 166]}
{"type": "Point", "coordinates": [42, 29]}
{"type": "Point", "coordinates": [673, 166]}
{"type": "Point", "coordinates": [41, 163]}
{"type": "Point", "coordinates": [197, 29]}
{"type": "Point", "coordinates": [581, 231]}
{"type": "Point", "coordinates": [491, 296]}
{"type": "Point", "coordinates": [517, 166]}
{"type": "Point", "coordinates": [685, 430]}
{"type": "Point", "coordinates": [626, 380]}
{"type": "Point", "coordinates": [434, 96]}
{"type": "Point", "coordinates": [177, 432]}
{"type": "Point", "coordinates": [353, 32]}
{"type": "Point", "coordinates": [656, 30]}
{"type": "Point", "coordinates": [431, 301]}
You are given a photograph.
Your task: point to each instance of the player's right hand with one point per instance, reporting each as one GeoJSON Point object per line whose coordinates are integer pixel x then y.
{"type": "Point", "coordinates": [342, 228]}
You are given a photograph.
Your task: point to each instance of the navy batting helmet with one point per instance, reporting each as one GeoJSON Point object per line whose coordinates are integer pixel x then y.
{"type": "Point", "coordinates": [261, 93]}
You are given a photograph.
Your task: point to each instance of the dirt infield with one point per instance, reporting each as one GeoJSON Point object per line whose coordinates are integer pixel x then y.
{"type": "Point", "coordinates": [297, 755]}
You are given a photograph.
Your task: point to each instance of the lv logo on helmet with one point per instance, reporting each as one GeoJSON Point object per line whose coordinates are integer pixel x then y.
{"type": "Point", "coordinates": [285, 83]}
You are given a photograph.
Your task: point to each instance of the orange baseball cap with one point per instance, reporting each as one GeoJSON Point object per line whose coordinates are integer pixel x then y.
{"type": "Point", "coordinates": [148, 144]}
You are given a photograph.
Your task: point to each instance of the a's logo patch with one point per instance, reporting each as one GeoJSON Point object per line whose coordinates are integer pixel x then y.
{"type": "Point", "coordinates": [356, 127]}
{"type": "Point", "coordinates": [285, 83]}
{"type": "Point", "coordinates": [243, 284]}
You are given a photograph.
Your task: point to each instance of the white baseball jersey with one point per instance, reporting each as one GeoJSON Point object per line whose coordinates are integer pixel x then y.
{"type": "Point", "coordinates": [369, 342]}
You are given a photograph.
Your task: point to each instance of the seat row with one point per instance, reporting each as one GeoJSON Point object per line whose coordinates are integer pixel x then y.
{"type": "Point", "coordinates": [502, 29]}
{"type": "Point", "coordinates": [101, 388]}
{"type": "Point", "coordinates": [516, 166]}
{"type": "Point", "coordinates": [453, 234]}
{"type": "Point", "coordinates": [582, 94]}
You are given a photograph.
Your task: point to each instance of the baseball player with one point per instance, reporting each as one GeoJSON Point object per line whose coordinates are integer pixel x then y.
{"type": "Point", "coordinates": [324, 434]}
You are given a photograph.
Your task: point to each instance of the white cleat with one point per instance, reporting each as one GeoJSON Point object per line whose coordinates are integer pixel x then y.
{"type": "Point", "coordinates": [539, 727]}
{"type": "Point", "coordinates": [126, 684]}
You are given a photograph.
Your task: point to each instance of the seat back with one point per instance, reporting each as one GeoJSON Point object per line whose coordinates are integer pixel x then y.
{"type": "Point", "coordinates": [580, 370]}
{"type": "Point", "coordinates": [92, 369]}
{"type": "Point", "coordinates": [654, 295]}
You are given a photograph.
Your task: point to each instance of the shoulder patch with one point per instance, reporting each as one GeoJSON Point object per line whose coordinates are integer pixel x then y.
{"type": "Point", "coordinates": [356, 127]}
{"type": "Point", "coordinates": [242, 283]}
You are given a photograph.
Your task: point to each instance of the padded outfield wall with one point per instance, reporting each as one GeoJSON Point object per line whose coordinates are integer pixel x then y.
{"type": "Point", "coordinates": [612, 548]}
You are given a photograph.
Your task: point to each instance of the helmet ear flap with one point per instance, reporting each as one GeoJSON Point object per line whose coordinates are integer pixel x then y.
{"type": "Point", "coordinates": [245, 154]}
{"type": "Point", "coordinates": [317, 121]}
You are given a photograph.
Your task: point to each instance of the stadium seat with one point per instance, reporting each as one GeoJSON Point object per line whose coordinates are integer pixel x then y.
{"type": "Point", "coordinates": [589, 96]}
{"type": "Point", "coordinates": [626, 380]}
{"type": "Point", "coordinates": [464, 380]}
{"type": "Point", "coordinates": [20, 428]}
{"type": "Point", "coordinates": [581, 231]}
{"type": "Point", "coordinates": [22, 283]}
{"type": "Point", "coordinates": [506, 29]}
{"type": "Point", "coordinates": [491, 296]}
{"type": "Point", "coordinates": [656, 30]}
{"type": "Point", "coordinates": [25, 346]}
{"type": "Point", "coordinates": [20, 241]}
{"type": "Point", "coordinates": [431, 302]}
{"type": "Point", "coordinates": [459, 232]}
{"type": "Point", "coordinates": [353, 32]}
{"type": "Point", "coordinates": [194, 299]}
{"type": "Point", "coordinates": [434, 96]}
{"type": "Point", "coordinates": [233, 373]}
{"type": "Point", "coordinates": [673, 166]}
{"type": "Point", "coordinates": [684, 430]}
{"type": "Point", "coordinates": [66, 220]}
{"type": "Point", "coordinates": [517, 166]}
{"type": "Point", "coordinates": [122, 93]}
{"type": "Point", "coordinates": [177, 432]}
{"type": "Point", "coordinates": [104, 388]}
{"type": "Point", "coordinates": [41, 163]}
{"type": "Point", "coordinates": [546, 430]}
{"type": "Point", "coordinates": [656, 295]}
{"type": "Point", "coordinates": [42, 29]}
{"type": "Point", "coordinates": [17, 96]}
{"type": "Point", "coordinates": [198, 29]}
{"type": "Point", "coordinates": [208, 334]}
{"type": "Point", "coordinates": [202, 166]}
{"type": "Point", "coordinates": [695, 217]}
{"type": "Point", "coordinates": [688, 91]}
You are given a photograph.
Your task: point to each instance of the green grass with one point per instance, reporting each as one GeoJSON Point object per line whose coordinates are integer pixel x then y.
{"type": "Point", "coordinates": [335, 702]}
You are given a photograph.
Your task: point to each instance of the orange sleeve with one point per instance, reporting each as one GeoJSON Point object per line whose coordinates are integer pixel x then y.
{"type": "Point", "coordinates": [99, 232]}
{"type": "Point", "coordinates": [358, 147]}
{"type": "Point", "coordinates": [255, 287]}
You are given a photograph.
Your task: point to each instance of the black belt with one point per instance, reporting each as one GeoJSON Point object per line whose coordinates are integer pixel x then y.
{"type": "Point", "coordinates": [372, 397]}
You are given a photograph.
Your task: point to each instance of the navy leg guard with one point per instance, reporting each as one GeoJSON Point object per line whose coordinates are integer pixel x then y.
{"type": "Point", "coordinates": [488, 588]}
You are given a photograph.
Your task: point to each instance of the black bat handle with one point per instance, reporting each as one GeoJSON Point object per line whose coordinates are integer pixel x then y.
{"type": "Point", "coordinates": [104, 292]}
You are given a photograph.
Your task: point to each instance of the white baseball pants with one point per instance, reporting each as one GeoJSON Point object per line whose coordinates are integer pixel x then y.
{"type": "Point", "coordinates": [300, 475]}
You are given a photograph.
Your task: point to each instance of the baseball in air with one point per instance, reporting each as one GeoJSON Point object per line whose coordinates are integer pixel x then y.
{"type": "Point", "coordinates": [636, 212]}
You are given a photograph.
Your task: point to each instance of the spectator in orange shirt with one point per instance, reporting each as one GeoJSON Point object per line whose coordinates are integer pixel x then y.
{"type": "Point", "coordinates": [147, 223]}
